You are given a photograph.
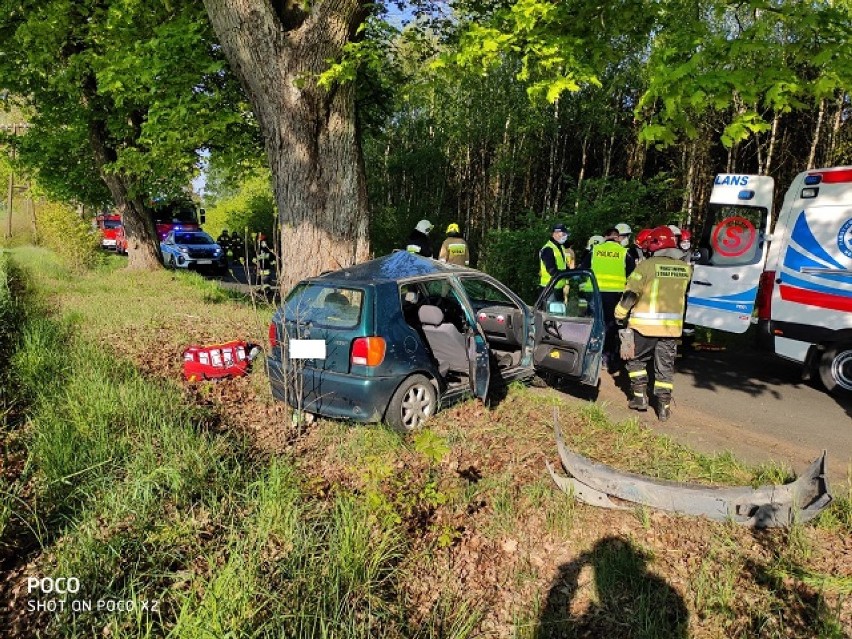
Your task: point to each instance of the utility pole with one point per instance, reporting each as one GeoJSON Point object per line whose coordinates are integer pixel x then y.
{"type": "Point", "coordinates": [10, 199]}
{"type": "Point", "coordinates": [15, 129]}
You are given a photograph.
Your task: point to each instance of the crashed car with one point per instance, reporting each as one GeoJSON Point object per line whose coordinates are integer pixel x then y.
{"type": "Point", "coordinates": [397, 338]}
{"type": "Point", "coordinates": [192, 249]}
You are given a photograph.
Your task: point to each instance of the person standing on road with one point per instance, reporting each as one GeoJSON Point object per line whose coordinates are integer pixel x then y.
{"type": "Point", "coordinates": [238, 248]}
{"type": "Point", "coordinates": [454, 249]}
{"type": "Point", "coordinates": [611, 263]}
{"type": "Point", "coordinates": [264, 261]}
{"type": "Point", "coordinates": [224, 242]}
{"type": "Point", "coordinates": [552, 258]}
{"type": "Point", "coordinates": [652, 308]}
{"type": "Point", "coordinates": [418, 242]}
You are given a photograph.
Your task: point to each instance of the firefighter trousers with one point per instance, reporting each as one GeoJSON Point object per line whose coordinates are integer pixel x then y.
{"type": "Point", "coordinates": [664, 351]}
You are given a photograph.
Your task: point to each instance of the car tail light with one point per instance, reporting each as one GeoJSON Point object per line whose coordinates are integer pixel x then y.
{"type": "Point", "coordinates": [368, 351]}
{"type": "Point", "coordinates": [273, 335]}
{"type": "Point", "coordinates": [764, 295]}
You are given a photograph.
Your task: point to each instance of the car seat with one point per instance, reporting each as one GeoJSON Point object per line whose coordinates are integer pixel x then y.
{"type": "Point", "coordinates": [448, 345]}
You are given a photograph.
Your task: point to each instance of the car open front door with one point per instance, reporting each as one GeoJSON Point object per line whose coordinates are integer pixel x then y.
{"type": "Point", "coordinates": [733, 250]}
{"type": "Point", "coordinates": [569, 328]}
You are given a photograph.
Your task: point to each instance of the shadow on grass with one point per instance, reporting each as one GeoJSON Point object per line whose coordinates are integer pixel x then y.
{"type": "Point", "coordinates": [625, 599]}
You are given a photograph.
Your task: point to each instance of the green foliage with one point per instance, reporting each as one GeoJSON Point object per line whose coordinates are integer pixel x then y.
{"type": "Point", "coordinates": [251, 208]}
{"type": "Point", "coordinates": [124, 88]}
{"type": "Point", "coordinates": [431, 445]}
{"type": "Point", "coordinates": [61, 230]}
{"type": "Point", "coordinates": [511, 255]}
{"type": "Point", "coordinates": [752, 57]}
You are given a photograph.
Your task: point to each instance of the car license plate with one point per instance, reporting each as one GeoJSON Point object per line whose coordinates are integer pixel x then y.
{"type": "Point", "coordinates": [307, 349]}
{"type": "Point", "coordinates": [108, 242]}
{"type": "Point", "coordinates": [204, 261]}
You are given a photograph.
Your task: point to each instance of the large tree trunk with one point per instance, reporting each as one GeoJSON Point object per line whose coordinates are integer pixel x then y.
{"type": "Point", "coordinates": [309, 131]}
{"type": "Point", "coordinates": [143, 247]}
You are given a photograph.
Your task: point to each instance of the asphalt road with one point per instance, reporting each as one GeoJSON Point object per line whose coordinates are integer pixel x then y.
{"type": "Point", "coordinates": [753, 404]}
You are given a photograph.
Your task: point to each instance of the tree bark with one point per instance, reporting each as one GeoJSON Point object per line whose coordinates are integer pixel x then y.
{"type": "Point", "coordinates": [309, 132]}
{"type": "Point", "coordinates": [143, 247]}
{"type": "Point", "coordinates": [817, 131]}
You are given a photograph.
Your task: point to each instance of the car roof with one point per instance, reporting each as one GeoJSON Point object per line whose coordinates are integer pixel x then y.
{"type": "Point", "coordinates": [399, 265]}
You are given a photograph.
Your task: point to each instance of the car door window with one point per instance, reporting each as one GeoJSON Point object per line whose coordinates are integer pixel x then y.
{"type": "Point", "coordinates": [574, 301]}
{"type": "Point", "coordinates": [569, 329]}
{"type": "Point", "coordinates": [441, 293]}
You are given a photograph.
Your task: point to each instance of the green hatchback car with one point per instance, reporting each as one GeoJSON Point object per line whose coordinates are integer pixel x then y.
{"type": "Point", "coordinates": [397, 338]}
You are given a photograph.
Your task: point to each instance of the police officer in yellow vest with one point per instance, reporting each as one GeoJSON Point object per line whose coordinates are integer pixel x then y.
{"type": "Point", "coordinates": [553, 257]}
{"type": "Point", "coordinates": [654, 300]}
{"type": "Point", "coordinates": [611, 263]}
{"type": "Point", "coordinates": [454, 249]}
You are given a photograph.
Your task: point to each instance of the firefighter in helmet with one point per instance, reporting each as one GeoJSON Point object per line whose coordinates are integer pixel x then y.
{"type": "Point", "coordinates": [418, 241]}
{"type": "Point", "coordinates": [454, 249]}
{"type": "Point", "coordinates": [652, 307]}
{"type": "Point", "coordinates": [264, 262]}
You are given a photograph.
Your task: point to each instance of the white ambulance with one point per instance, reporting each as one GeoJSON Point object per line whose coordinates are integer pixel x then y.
{"type": "Point", "coordinates": [799, 277]}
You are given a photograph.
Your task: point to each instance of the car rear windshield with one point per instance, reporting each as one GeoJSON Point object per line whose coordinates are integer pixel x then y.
{"type": "Point", "coordinates": [112, 224]}
{"type": "Point", "coordinates": [324, 305]}
{"type": "Point", "coordinates": [193, 238]}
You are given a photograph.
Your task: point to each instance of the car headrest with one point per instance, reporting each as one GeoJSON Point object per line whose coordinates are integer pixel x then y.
{"type": "Point", "coordinates": [336, 298]}
{"type": "Point", "coordinates": [430, 315]}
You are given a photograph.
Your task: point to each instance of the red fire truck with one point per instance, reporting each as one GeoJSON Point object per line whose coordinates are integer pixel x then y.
{"type": "Point", "coordinates": [109, 227]}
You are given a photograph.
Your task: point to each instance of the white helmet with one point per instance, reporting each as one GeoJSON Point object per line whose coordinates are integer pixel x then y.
{"type": "Point", "coordinates": [595, 239]}
{"type": "Point", "coordinates": [424, 226]}
{"type": "Point", "coordinates": [624, 231]}
{"type": "Point", "coordinates": [675, 230]}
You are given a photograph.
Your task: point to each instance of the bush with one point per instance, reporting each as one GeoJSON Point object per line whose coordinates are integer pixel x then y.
{"type": "Point", "coordinates": [62, 230]}
{"type": "Point", "coordinates": [511, 255]}
{"type": "Point", "coordinates": [251, 209]}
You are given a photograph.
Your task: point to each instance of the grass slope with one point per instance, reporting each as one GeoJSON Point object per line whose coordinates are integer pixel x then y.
{"type": "Point", "coordinates": [204, 500]}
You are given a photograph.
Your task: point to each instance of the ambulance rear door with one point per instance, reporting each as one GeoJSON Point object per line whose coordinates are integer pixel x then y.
{"type": "Point", "coordinates": [732, 247]}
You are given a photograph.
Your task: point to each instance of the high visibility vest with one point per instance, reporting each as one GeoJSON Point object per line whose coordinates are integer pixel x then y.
{"type": "Point", "coordinates": [660, 284]}
{"type": "Point", "coordinates": [561, 264]}
{"type": "Point", "coordinates": [608, 265]}
{"type": "Point", "coordinates": [454, 250]}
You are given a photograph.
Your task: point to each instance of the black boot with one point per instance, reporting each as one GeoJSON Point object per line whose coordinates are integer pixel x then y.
{"type": "Point", "coordinates": [664, 408]}
{"type": "Point", "coordinates": [639, 401]}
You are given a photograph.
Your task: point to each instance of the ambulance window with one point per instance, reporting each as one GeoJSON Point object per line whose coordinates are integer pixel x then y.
{"type": "Point", "coordinates": [734, 235]}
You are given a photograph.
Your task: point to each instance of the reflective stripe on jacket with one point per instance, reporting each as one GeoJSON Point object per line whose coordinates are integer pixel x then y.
{"type": "Point", "coordinates": [609, 266]}
{"type": "Point", "coordinates": [659, 284]}
{"type": "Point", "coordinates": [561, 264]}
{"type": "Point", "coordinates": [454, 250]}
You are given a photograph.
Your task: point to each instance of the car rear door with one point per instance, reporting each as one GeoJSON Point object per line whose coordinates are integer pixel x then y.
{"type": "Point", "coordinates": [569, 328]}
{"type": "Point", "coordinates": [324, 318]}
{"type": "Point", "coordinates": [450, 297]}
{"type": "Point", "coordinates": [733, 246]}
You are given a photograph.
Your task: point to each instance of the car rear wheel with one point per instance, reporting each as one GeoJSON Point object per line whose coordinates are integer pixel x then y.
{"type": "Point", "coordinates": [415, 401]}
{"type": "Point", "coordinates": [835, 369]}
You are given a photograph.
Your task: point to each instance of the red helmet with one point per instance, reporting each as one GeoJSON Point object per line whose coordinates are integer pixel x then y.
{"type": "Point", "coordinates": [685, 235]}
{"type": "Point", "coordinates": [642, 237]}
{"type": "Point", "coordinates": [660, 238]}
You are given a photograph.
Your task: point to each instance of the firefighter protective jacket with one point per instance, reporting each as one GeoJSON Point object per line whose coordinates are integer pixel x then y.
{"type": "Point", "coordinates": [655, 297]}
{"type": "Point", "coordinates": [454, 250]}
